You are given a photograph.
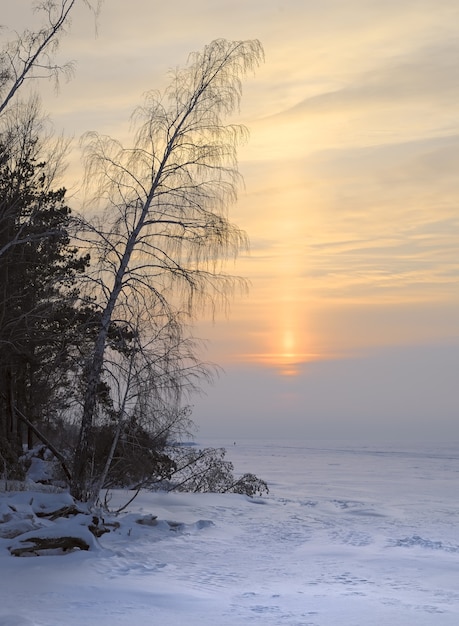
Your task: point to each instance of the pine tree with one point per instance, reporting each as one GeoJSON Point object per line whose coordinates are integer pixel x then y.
{"type": "Point", "coordinates": [39, 320]}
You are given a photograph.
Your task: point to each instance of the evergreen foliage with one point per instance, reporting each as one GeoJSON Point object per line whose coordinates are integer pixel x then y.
{"type": "Point", "coordinates": [40, 323]}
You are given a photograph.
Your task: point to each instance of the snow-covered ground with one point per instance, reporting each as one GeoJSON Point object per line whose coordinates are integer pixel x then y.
{"type": "Point", "coordinates": [350, 535]}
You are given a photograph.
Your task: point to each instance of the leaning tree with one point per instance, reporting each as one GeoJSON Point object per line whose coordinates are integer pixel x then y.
{"type": "Point", "coordinates": [31, 53]}
{"type": "Point", "coordinates": [165, 231]}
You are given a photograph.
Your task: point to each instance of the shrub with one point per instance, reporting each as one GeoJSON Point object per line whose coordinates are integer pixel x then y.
{"type": "Point", "coordinates": [207, 470]}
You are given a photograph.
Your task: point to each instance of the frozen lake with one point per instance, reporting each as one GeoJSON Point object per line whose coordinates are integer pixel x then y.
{"type": "Point", "coordinates": [349, 535]}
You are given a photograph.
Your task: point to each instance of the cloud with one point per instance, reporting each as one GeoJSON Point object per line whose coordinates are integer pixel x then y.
{"type": "Point", "coordinates": [391, 85]}
{"type": "Point", "coordinates": [377, 221]}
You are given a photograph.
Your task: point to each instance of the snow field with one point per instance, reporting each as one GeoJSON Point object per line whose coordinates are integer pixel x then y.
{"type": "Point", "coordinates": [348, 536]}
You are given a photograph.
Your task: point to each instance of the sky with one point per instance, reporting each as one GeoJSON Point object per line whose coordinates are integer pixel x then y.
{"type": "Point", "coordinates": [350, 328]}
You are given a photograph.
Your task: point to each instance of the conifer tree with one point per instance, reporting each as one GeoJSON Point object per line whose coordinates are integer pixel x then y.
{"type": "Point", "coordinates": [38, 272]}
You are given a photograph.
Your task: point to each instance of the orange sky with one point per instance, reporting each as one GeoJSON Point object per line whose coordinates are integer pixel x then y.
{"type": "Point", "coordinates": [351, 196]}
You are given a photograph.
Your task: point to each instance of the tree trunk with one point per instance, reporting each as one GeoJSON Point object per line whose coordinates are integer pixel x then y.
{"type": "Point", "coordinates": [79, 487]}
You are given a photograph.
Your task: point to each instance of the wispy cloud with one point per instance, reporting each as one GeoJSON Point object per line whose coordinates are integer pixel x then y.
{"type": "Point", "coordinates": [426, 75]}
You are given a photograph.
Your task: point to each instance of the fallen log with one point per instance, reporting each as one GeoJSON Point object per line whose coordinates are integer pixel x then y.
{"type": "Point", "coordinates": [32, 546]}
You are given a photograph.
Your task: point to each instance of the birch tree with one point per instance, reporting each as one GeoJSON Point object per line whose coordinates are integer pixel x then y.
{"type": "Point", "coordinates": [31, 54]}
{"type": "Point", "coordinates": [165, 230]}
